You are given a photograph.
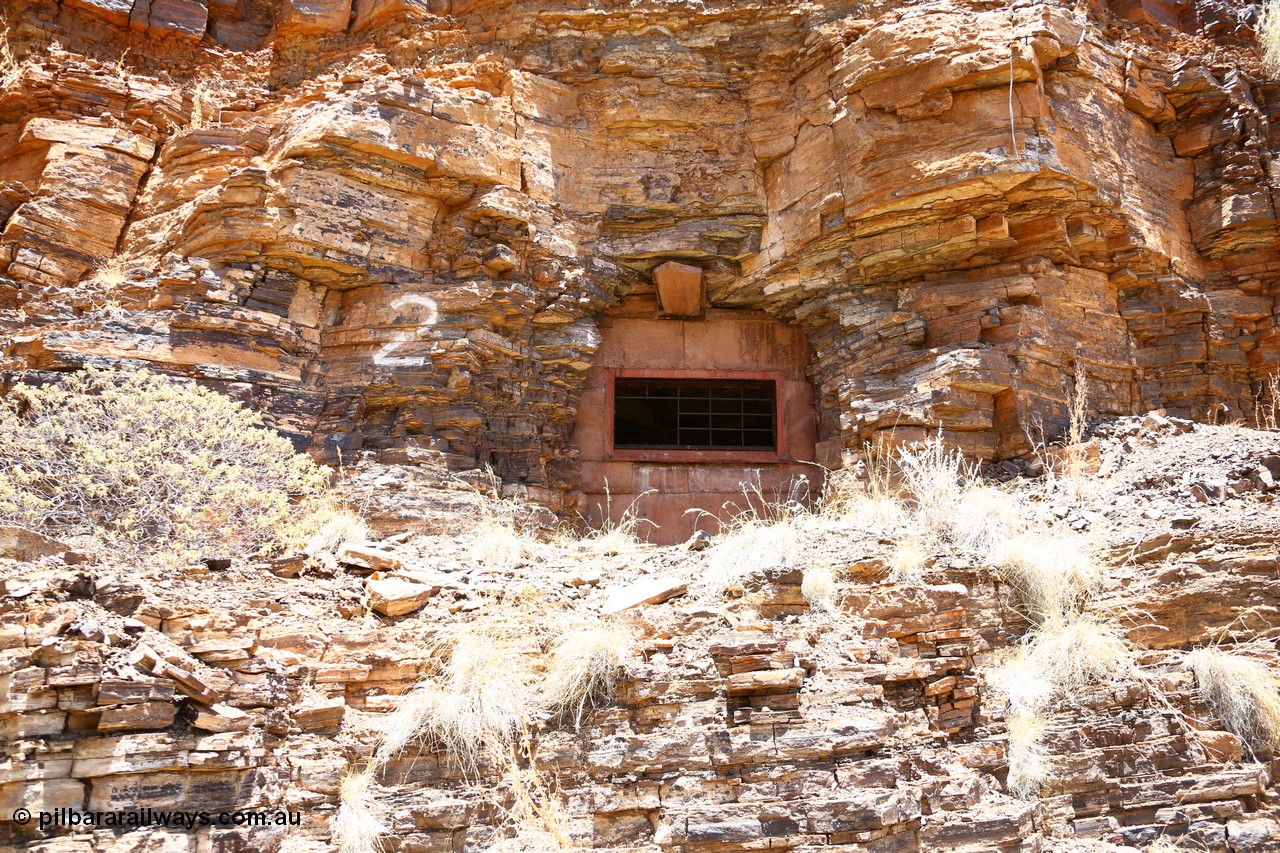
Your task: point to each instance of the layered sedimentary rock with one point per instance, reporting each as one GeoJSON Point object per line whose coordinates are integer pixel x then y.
{"type": "Point", "coordinates": [410, 228]}
{"type": "Point", "coordinates": [399, 227]}
{"type": "Point", "coordinates": [760, 721]}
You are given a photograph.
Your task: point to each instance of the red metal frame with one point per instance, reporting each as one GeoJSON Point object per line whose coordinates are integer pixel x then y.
{"type": "Point", "coordinates": [711, 457]}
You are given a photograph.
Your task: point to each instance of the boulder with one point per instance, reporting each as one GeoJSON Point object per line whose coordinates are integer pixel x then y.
{"type": "Point", "coordinates": [396, 596]}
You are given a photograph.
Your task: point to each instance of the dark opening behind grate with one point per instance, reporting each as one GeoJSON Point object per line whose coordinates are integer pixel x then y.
{"type": "Point", "coordinates": [694, 414]}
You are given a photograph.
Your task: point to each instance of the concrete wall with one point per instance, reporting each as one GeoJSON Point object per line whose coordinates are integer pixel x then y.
{"type": "Point", "coordinates": [735, 342]}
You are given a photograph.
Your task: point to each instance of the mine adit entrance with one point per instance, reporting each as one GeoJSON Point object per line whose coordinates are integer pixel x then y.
{"type": "Point", "coordinates": [689, 412]}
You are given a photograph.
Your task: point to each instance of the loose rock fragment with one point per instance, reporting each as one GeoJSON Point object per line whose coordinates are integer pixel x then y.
{"type": "Point", "coordinates": [396, 596]}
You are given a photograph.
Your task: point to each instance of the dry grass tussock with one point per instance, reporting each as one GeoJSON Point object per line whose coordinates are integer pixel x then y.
{"type": "Point", "coordinates": [1078, 652]}
{"type": "Point", "coordinates": [925, 496]}
{"type": "Point", "coordinates": [930, 499]}
{"type": "Point", "coordinates": [110, 273]}
{"type": "Point", "coordinates": [762, 533]}
{"type": "Point", "coordinates": [498, 544]}
{"type": "Point", "coordinates": [875, 513]}
{"type": "Point", "coordinates": [765, 533]}
{"type": "Point", "coordinates": [476, 703]}
{"type": "Point", "coordinates": [474, 706]}
{"type": "Point", "coordinates": [505, 536]}
{"type": "Point", "coordinates": [103, 290]}
{"type": "Point", "coordinates": [1269, 35]}
{"type": "Point", "coordinates": [147, 464]}
{"type": "Point", "coordinates": [584, 668]}
{"type": "Point", "coordinates": [1027, 689]}
{"type": "Point", "coordinates": [984, 518]}
{"type": "Point", "coordinates": [612, 537]}
{"type": "Point", "coordinates": [477, 708]}
{"type": "Point", "coordinates": [908, 561]}
{"type": "Point", "coordinates": [1165, 844]}
{"type": "Point", "coordinates": [1267, 403]}
{"type": "Point", "coordinates": [1065, 462]}
{"type": "Point", "coordinates": [1063, 653]}
{"type": "Point", "coordinates": [933, 479]}
{"type": "Point", "coordinates": [1077, 420]}
{"type": "Point", "coordinates": [818, 587]}
{"type": "Point", "coordinates": [1244, 692]}
{"type": "Point", "coordinates": [10, 67]}
{"type": "Point", "coordinates": [755, 544]}
{"type": "Point", "coordinates": [324, 525]}
{"type": "Point", "coordinates": [1056, 580]}
{"type": "Point", "coordinates": [207, 96]}
{"type": "Point", "coordinates": [864, 497]}
{"type": "Point", "coordinates": [535, 820]}
{"type": "Point", "coordinates": [1027, 771]}
{"type": "Point", "coordinates": [1054, 574]}
{"type": "Point", "coordinates": [357, 827]}
{"type": "Point", "coordinates": [617, 537]}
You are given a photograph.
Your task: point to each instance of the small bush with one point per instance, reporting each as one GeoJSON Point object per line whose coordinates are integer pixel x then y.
{"type": "Point", "coordinates": [146, 463]}
{"type": "Point", "coordinates": [1243, 692]}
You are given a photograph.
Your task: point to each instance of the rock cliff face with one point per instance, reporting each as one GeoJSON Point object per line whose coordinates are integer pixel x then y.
{"type": "Point", "coordinates": [754, 722]}
{"type": "Point", "coordinates": [398, 226]}
{"type": "Point", "coordinates": [409, 226]}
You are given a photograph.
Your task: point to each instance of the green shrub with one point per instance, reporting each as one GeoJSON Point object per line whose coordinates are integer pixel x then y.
{"type": "Point", "coordinates": [147, 464]}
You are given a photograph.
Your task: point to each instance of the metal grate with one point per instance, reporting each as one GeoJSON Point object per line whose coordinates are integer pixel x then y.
{"type": "Point", "coordinates": [694, 414]}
